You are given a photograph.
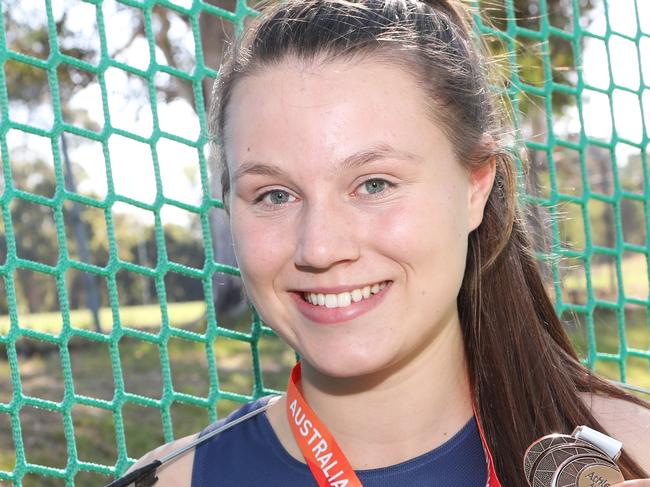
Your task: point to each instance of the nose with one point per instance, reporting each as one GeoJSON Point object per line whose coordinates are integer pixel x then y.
{"type": "Point", "coordinates": [326, 236]}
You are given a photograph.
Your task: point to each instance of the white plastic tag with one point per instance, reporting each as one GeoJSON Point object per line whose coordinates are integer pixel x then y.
{"type": "Point", "coordinates": [606, 443]}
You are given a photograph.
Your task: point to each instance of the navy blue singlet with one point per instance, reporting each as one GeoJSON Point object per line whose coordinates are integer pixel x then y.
{"type": "Point", "coordinates": [250, 455]}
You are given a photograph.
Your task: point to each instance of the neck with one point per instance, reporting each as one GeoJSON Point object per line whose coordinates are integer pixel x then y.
{"type": "Point", "coordinates": [403, 411]}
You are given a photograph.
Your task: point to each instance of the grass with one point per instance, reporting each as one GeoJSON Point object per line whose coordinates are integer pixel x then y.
{"type": "Point", "coordinates": [94, 430]}
{"type": "Point", "coordinates": [604, 282]}
{"type": "Point", "coordinates": [606, 327]}
{"type": "Point", "coordinates": [138, 316]}
{"type": "Point", "coordinates": [637, 335]}
{"type": "Point", "coordinates": [41, 376]}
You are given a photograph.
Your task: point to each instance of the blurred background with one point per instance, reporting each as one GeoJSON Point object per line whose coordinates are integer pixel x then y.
{"type": "Point", "coordinates": [122, 318]}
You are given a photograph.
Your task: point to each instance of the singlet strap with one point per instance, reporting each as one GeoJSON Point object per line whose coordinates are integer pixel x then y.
{"type": "Point", "coordinates": [220, 429]}
{"type": "Point", "coordinates": [146, 475]}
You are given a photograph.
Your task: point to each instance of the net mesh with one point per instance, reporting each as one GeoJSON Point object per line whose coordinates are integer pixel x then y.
{"type": "Point", "coordinates": [599, 277]}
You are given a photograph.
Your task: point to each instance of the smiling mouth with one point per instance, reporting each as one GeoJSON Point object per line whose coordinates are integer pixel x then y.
{"type": "Point", "coordinates": [343, 299]}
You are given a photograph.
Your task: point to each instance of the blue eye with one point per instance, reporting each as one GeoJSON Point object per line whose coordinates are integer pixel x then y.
{"type": "Point", "coordinates": [275, 197]}
{"type": "Point", "coordinates": [376, 185]}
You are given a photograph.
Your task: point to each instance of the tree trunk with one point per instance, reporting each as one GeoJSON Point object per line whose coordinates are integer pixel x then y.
{"type": "Point", "coordinates": [90, 282]}
{"type": "Point", "coordinates": [228, 295]}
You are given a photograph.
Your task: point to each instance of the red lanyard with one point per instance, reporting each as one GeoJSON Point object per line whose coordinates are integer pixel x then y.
{"type": "Point", "coordinates": [325, 459]}
{"type": "Point", "coordinates": [493, 480]}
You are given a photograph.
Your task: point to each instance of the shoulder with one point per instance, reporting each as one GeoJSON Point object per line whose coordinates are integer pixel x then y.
{"type": "Point", "coordinates": [176, 473]}
{"type": "Point", "coordinates": [626, 421]}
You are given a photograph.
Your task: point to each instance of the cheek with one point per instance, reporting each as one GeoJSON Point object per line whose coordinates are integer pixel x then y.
{"type": "Point", "coordinates": [425, 224]}
{"type": "Point", "coordinates": [260, 249]}
{"type": "Point", "coordinates": [429, 241]}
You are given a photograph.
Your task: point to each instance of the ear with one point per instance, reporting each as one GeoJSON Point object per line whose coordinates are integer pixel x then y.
{"type": "Point", "coordinates": [481, 181]}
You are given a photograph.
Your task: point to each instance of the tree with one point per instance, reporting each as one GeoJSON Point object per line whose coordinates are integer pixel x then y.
{"type": "Point", "coordinates": [28, 86]}
{"type": "Point", "coordinates": [35, 233]}
{"type": "Point", "coordinates": [36, 241]}
{"type": "Point", "coordinates": [530, 54]}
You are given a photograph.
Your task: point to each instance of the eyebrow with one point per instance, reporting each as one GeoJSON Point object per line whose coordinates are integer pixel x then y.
{"type": "Point", "coordinates": [358, 159]}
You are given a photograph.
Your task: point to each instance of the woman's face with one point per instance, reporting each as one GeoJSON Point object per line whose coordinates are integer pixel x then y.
{"type": "Point", "coordinates": [343, 190]}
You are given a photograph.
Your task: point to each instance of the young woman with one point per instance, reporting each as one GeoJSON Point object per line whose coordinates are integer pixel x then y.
{"type": "Point", "coordinates": [375, 222]}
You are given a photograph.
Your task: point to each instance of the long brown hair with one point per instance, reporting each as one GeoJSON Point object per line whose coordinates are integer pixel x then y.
{"type": "Point", "coordinates": [525, 376]}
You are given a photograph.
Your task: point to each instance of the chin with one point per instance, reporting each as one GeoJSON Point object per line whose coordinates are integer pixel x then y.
{"type": "Point", "coordinates": [347, 364]}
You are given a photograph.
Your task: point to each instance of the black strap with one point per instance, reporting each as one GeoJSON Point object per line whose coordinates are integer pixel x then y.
{"type": "Point", "coordinates": [146, 476]}
{"type": "Point", "coordinates": [141, 477]}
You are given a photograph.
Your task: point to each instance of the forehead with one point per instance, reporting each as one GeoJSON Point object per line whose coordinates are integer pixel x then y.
{"type": "Point", "coordinates": [325, 111]}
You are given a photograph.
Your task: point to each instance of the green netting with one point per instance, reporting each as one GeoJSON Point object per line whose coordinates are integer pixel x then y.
{"type": "Point", "coordinates": [618, 194]}
{"type": "Point", "coordinates": [566, 184]}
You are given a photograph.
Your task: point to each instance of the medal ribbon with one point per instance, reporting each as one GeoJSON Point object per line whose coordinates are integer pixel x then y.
{"type": "Point", "coordinates": [493, 480]}
{"type": "Point", "coordinates": [325, 459]}
{"type": "Point", "coordinates": [327, 462]}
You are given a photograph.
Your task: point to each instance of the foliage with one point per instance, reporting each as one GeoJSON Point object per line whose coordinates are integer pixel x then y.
{"type": "Point", "coordinates": [172, 44]}
{"type": "Point", "coordinates": [530, 53]}
{"type": "Point", "coordinates": [36, 239]}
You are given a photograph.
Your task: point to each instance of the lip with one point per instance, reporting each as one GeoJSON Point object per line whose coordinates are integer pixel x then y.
{"type": "Point", "coordinates": [330, 316]}
{"type": "Point", "coordinates": [338, 289]}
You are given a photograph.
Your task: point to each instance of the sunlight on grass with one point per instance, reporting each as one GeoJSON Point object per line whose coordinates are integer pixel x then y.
{"type": "Point", "coordinates": [94, 429]}
{"type": "Point", "coordinates": [604, 281]}
{"type": "Point", "coordinates": [133, 316]}
{"type": "Point", "coordinates": [91, 364]}
{"type": "Point", "coordinates": [606, 329]}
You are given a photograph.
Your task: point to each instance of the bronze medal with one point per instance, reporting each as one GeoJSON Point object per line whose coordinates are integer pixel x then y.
{"type": "Point", "coordinates": [587, 471]}
{"type": "Point", "coordinates": [536, 451]}
{"type": "Point", "coordinates": [599, 476]}
{"type": "Point", "coordinates": [566, 461]}
{"type": "Point", "coordinates": [554, 458]}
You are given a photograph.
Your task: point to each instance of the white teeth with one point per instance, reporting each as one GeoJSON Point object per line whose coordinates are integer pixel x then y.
{"type": "Point", "coordinates": [357, 295]}
{"type": "Point", "coordinates": [330, 300]}
{"type": "Point", "coordinates": [344, 299]}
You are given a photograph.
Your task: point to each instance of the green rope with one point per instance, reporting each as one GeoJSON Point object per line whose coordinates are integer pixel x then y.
{"type": "Point", "coordinates": [519, 89]}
